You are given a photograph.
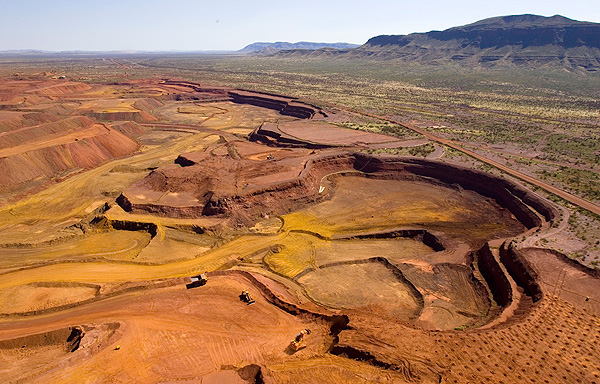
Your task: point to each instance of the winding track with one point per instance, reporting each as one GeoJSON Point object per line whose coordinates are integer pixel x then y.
{"type": "Point", "coordinates": [84, 272]}
{"type": "Point", "coordinates": [452, 144]}
{"type": "Point", "coordinates": [127, 307]}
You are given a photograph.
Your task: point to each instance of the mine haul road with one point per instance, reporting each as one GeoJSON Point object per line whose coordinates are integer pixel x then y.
{"type": "Point", "coordinates": [452, 144]}
{"type": "Point", "coordinates": [187, 127]}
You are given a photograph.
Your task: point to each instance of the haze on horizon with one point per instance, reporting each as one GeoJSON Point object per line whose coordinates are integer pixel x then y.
{"type": "Point", "coordinates": [187, 25]}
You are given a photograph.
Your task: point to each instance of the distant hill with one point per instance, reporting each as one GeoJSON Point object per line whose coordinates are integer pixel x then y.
{"type": "Point", "coordinates": [275, 47]}
{"type": "Point", "coordinates": [524, 40]}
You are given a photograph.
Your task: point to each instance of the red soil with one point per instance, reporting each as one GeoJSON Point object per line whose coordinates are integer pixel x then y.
{"type": "Point", "coordinates": [81, 151]}
{"type": "Point", "coordinates": [316, 134]}
{"type": "Point", "coordinates": [54, 138]}
{"type": "Point", "coordinates": [137, 116]}
{"type": "Point", "coordinates": [128, 128]}
{"type": "Point", "coordinates": [60, 88]}
{"type": "Point", "coordinates": [207, 335]}
{"type": "Point", "coordinates": [220, 173]}
{"type": "Point", "coordinates": [246, 184]}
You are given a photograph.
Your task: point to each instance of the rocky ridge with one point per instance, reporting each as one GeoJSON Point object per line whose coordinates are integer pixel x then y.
{"type": "Point", "coordinates": [518, 40]}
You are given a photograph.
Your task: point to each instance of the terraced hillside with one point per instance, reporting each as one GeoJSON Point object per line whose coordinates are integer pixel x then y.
{"type": "Point", "coordinates": [404, 269]}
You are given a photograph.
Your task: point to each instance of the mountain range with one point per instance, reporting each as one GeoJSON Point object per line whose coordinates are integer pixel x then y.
{"type": "Point", "coordinates": [280, 45]}
{"type": "Point", "coordinates": [524, 40]}
{"type": "Point", "coordinates": [518, 40]}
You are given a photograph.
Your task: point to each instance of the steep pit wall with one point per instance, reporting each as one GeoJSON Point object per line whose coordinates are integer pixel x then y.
{"type": "Point", "coordinates": [270, 134]}
{"type": "Point", "coordinates": [422, 235]}
{"type": "Point", "coordinates": [337, 322]}
{"type": "Point", "coordinates": [285, 106]}
{"type": "Point", "coordinates": [284, 196]}
{"type": "Point", "coordinates": [67, 338]}
{"type": "Point", "coordinates": [123, 225]}
{"type": "Point", "coordinates": [396, 272]}
{"type": "Point", "coordinates": [507, 194]}
{"type": "Point", "coordinates": [29, 358]}
{"type": "Point", "coordinates": [180, 212]}
{"type": "Point", "coordinates": [199, 88]}
{"type": "Point", "coordinates": [521, 271]}
{"type": "Point", "coordinates": [494, 276]}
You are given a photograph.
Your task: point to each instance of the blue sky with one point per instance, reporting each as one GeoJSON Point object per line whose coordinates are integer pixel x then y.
{"type": "Point", "coordinates": [231, 24]}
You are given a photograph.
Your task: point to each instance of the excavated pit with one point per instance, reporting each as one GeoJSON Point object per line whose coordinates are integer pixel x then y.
{"type": "Point", "coordinates": [37, 353]}
{"type": "Point", "coordinates": [247, 181]}
{"type": "Point", "coordinates": [356, 284]}
{"type": "Point", "coordinates": [220, 185]}
{"type": "Point", "coordinates": [381, 252]}
{"type": "Point", "coordinates": [65, 339]}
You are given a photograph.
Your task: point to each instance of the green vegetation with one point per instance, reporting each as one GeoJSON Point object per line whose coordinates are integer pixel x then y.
{"type": "Point", "coordinates": [582, 182]}
{"type": "Point", "coordinates": [385, 128]}
{"type": "Point", "coordinates": [581, 149]}
{"type": "Point", "coordinates": [423, 150]}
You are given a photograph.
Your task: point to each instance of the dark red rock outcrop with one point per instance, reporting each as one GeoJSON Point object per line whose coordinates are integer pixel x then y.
{"type": "Point", "coordinates": [197, 92]}
{"type": "Point", "coordinates": [285, 106]}
{"type": "Point", "coordinates": [494, 276]}
{"type": "Point", "coordinates": [270, 134]}
{"type": "Point", "coordinates": [222, 185]}
{"type": "Point", "coordinates": [521, 271]}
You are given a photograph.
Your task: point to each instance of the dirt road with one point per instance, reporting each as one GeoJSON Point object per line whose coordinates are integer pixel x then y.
{"type": "Point", "coordinates": [93, 131]}
{"type": "Point", "coordinates": [520, 175]}
{"type": "Point", "coordinates": [169, 334]}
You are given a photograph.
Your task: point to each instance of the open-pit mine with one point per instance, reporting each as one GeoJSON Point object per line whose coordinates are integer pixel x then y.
{"type": "Point", "coordinates": [162, 231]}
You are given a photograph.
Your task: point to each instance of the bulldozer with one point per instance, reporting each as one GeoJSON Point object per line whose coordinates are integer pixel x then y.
{"type": "Point", "coordinates": [298, 341]}
{"type": "Point", "coordinates": [246, 298]}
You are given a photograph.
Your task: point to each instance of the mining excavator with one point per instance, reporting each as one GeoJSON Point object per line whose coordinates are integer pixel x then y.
{"type": "Point", "coordinates": [298, 341]}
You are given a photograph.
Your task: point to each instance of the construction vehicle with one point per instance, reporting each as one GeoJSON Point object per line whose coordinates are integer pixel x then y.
{"type": "Point", "coordinates": [298, 341]}
{"type": "Point", "coordinates": [197, 281]}
{"type": "Point", "coordinates": [246, 298]}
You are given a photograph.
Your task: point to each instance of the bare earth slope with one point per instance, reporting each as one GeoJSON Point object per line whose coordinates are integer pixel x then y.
{"type": "Point", "coordinates": [322, 263]}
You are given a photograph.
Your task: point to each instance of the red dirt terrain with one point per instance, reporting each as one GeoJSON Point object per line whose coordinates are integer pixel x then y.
{"type": "Point", "coordinates": [44, 134]}
{"type": "Point", "coordinates": [404, 270]}
{"type": "Point", "coordinates": [318, 134]}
